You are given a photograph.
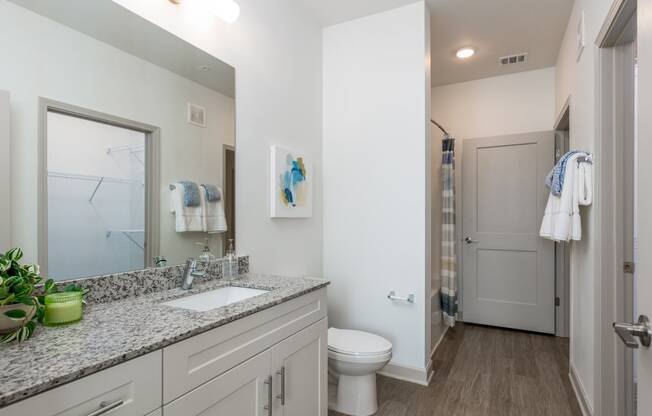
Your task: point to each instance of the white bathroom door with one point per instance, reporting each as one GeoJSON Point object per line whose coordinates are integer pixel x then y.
{"type": "Point", "coordinates": [508, 270]}
{"type": "Point", "coordinates": [643, 291]}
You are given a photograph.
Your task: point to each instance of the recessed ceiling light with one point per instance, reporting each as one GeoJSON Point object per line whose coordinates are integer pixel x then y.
{"type": "Point", "coordinates": [204, 68]}
{"type": "Point", "coordinates": [465, 53]}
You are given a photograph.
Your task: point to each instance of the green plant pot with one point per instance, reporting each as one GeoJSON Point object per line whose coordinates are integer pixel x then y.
{"type": "Point", "coordinates": [8, 325]}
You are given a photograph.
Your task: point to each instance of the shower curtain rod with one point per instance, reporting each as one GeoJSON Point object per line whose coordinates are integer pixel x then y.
{"type": "Point", "coordinates": [440, 127]}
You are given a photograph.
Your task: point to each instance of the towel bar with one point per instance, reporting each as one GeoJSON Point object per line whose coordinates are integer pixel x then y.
{"type": "Point", "coordinates": [408, 299]}
{"type": "Point", "coordinates": [585, 159]}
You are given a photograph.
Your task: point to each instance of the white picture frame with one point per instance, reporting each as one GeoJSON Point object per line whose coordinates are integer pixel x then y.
{"type": "Point", "coordinates": [291, 190]}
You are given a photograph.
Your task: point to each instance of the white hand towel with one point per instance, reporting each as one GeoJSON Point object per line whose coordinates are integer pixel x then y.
{"type": "Point", "coordinates": [213, 218]}
{"type": "Point", "coordinates": [561, 219]}
{"type": "Point", "coordinates": [186, 218]}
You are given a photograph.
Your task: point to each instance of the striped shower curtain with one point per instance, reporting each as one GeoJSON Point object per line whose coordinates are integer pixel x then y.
{"type": "Point", "coordinates": [448, 291]}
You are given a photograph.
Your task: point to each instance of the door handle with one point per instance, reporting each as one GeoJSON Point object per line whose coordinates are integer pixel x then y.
{"type": "Point", "coordinates": [269, 404]}
{"type": "Point", "coordinates": [628, 332]}
{"type": "Point", "coordinates": [469, 240]}
{"type": "Point", "coordinates": [281, 396]}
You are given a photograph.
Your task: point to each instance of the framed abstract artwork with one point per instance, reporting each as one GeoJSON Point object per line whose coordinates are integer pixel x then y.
{"type": "Point", "coordinates": [291, 184]}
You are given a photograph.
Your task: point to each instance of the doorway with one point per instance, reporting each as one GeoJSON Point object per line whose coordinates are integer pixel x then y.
{"type": "Point", "coordinates": [229, 193]}
{"type": "Point", "coordinates": [97, 183]}
{"type": "Point", "coordinates": [617, 185]}
{"type": "Point", "coordinates": [509, 271]}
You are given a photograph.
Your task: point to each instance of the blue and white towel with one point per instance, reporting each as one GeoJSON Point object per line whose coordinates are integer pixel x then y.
{"type": "Point", "coordinates": [213, 193]}
{"type": "Point", "coordinates": [555, 179]}
{"type": "Point", "coordinates": [191, 197]}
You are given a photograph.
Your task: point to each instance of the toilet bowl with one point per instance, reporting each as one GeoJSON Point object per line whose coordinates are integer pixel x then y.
{"type": "Point", "coordinates": [354, 357]}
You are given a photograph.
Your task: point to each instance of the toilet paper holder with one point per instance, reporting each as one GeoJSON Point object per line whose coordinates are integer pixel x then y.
{"type": "Point", "coordinates": [408, 299]}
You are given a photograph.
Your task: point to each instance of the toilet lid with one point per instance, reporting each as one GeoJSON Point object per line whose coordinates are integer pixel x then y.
{"type": "Point", "coordinates": [347, 341]}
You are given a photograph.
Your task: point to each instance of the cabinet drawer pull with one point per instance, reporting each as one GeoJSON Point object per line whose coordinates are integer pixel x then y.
{"type": "Point", "coordinates": [268, 407]}
{"type": "Point", "coordinates": [106, 407]}
{"type": "Point", "coordinates": [281, 396]}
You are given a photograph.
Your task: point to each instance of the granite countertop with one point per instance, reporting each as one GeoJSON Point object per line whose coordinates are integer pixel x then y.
{"type": "Point", "coordinates": [117, 331]}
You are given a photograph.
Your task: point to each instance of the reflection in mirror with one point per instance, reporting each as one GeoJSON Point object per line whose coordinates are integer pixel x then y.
{"type": "Point", "coordinates": [115, 130]}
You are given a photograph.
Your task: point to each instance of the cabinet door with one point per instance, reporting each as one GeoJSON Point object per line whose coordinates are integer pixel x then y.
{"type": "Point", "coordinates": [299, 366]}
{"type": "Point", "coordinates": [130, 388]}
{"type": "Point", "coordinates": [241, 391]}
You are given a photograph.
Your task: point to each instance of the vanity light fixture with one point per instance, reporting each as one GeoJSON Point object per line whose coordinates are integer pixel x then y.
{"type": "Point", "coordinates": [227, 10]}
{"type": "Point", "coordinates": [466, 52]}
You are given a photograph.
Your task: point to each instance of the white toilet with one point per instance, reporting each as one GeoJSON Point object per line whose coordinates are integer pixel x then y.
{"type": "Point", "coordinates": [354, 357]}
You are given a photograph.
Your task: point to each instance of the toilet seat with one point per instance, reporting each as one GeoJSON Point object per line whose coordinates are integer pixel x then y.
{"type": "Point", "coordinates": [350, 343]}
{"type": "Point", "coordinates": [359, 359]}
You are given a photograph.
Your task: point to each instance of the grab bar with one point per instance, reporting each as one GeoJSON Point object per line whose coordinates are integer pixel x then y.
{"type": "Point", "coordinates": [408, 299]}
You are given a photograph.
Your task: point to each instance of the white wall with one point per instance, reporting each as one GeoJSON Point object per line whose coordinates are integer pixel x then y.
{"type": "Point", "coordinates": [376, 155]}
{"type": "Point", "coordinates": [115, 83]}
{"type": "Point", "coordinates": [510, 104]}
{"type": "Point", "coordinates": [577, 80]}
{"type": "Point", "coordinates": [5, 173]}
{"type": "Point", "coordinates": [276, 49]}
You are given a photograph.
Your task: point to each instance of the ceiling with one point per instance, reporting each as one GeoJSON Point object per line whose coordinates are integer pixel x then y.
{"type": "Point", "coordinates": [139, 37]}
{"type": "Point", "coordinates": [494, 27]}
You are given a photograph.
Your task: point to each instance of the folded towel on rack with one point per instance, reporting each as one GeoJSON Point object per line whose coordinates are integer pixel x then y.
{"type": "Point", "coordinates": [212, 192]}
{"type": "Point", "coordinates": [213, 218]}
{"type": "Point", "coordinates": [190, 194]}
{"type": "Point", "coordinates": [561, 219]}
{"type": "Point", "coordinates": [187, 218]}
{"type": "Point", "coordinates": [555, 179]}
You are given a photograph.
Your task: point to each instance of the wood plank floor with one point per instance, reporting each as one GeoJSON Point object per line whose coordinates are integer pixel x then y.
{"type": "Point", "coordinates": [480, 371]}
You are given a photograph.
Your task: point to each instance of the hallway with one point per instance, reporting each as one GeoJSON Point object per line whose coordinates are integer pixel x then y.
{"type": "Point", "coordinates": [481, 371]}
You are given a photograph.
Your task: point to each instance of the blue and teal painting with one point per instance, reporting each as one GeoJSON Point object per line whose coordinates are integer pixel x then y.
{"type": "Point", "coordinates": [293, 182]}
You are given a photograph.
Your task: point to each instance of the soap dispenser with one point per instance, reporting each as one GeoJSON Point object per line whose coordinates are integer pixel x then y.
{"type": "Point", "coordinates": [230, 264]}
{"type": "Point", "coordinates": [206, 256]}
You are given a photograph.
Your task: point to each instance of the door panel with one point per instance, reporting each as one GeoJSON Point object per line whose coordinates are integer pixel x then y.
{"type": "Point", "coordinates": [508, 278]}
{"type": "Point", "coordinates": [303, 360]}
{"type": "Point", "coordinates": [644, 198]}
{"type": "Point", "coordinates": [241, 391]}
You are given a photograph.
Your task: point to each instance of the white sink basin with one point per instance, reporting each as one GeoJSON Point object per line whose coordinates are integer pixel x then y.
{"type": "Point", "coordinates": [214, 299]}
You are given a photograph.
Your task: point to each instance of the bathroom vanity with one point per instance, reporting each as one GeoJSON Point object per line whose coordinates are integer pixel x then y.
{"type": "Point", "coordinates": [266, 354]}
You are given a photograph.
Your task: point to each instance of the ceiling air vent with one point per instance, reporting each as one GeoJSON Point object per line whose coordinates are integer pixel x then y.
{"type": "Point", "coordinates": [520, 58]}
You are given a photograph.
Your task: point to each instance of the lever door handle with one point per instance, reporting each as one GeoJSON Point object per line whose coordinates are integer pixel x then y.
{"type": "Point", "coordinates": [469, 240]}
{"type": "Point", "coordinates": [628, 332]}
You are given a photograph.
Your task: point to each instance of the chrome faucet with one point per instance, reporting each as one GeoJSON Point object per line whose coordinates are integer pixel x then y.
{"type": "Point", "coordinates": [189, 273]}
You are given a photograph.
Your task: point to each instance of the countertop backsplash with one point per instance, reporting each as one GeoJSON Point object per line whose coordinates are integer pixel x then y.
{"type": "Point", "coordinates": [112, 287]}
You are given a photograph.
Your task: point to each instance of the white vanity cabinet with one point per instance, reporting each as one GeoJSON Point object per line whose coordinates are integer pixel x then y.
{"type": "Point", "coordinates": [273, 362]}
{"type": "Point", "coordinates": [128, 389]}
{"type": "Point", "coordinates": [299, 367]}
{"type": "Point", "coordinates": [290, 378]}
{"type": "Point", "coordinates": [214, 374]}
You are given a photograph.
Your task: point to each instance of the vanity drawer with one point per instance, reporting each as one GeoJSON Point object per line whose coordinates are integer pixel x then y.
{"type": "Point", "coordinates": [193, 362]}
{"type": "Point", "coordinates": [136, 383]}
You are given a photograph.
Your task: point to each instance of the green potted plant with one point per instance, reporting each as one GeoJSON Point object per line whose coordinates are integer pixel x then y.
{"type": "Point", "coordinates": [20, 307]}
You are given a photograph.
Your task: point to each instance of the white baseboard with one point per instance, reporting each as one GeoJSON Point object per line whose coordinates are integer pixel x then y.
{"type": "Point", "coordinates": [408, 373]}
{"type": "Point", "coordinates": [441, 338]}
{"type": "Point", "coordinates": [580, 392]}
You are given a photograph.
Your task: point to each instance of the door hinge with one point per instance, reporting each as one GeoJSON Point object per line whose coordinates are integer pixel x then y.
{"type": "Point", "coordinates": [629, 267]}
{"type": "Point", "coordinates": [557, 301]}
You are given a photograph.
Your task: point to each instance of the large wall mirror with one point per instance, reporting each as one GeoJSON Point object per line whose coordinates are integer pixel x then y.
{"type": "Point", "coordinates": [121, 139]}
